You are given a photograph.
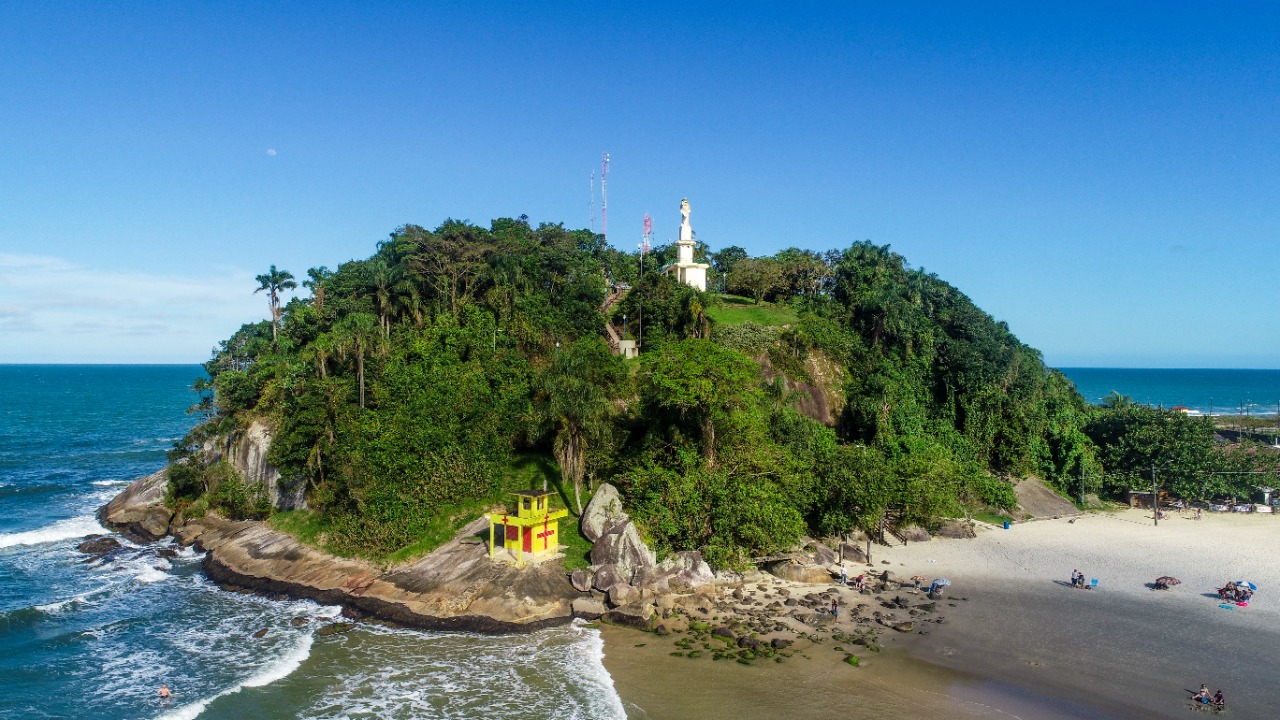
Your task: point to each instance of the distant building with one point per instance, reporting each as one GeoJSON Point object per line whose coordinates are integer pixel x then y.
{"type": "Point", "coordinates": [684, 268]}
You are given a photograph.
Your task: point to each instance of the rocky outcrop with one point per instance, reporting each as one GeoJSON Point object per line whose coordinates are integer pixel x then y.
{"type": "Point", "coordinates": [246, 451]}
{"type": "Point", "coordinates": [456, 587]}
{"type": "Point", "coordinates": [139, 512]}
{"type": "Point", "coordinates": [621, 546]}
{"type": "Point", "coordinates": [798, 570]}
{"type": "Point", "coordinates": [822, 396]}
{"type": "Point", "coordinates": [604, 510]}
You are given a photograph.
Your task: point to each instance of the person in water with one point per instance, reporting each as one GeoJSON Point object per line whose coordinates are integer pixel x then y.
{"type": "Point", "coordinates": [1219, 700]}
{"type": "Point", "coordinates": [164, 692]}
{"type": "Point", "coordinates": [1202, 696]}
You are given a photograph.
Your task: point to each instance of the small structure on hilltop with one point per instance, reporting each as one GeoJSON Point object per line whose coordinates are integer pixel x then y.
{"type": "Point", "coordinates": [533, 533]}
{"type": "Point", "coordinates": [684, 268]}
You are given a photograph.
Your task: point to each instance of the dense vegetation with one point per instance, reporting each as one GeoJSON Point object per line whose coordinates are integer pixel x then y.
{"type": "Point", "coordinates": [407, 387]}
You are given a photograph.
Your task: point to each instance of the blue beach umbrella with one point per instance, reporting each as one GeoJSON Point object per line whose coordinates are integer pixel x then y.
{"type": "Point", "coordinates": [1246, 583]}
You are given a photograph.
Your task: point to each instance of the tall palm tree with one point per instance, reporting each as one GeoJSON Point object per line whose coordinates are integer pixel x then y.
{"type": "Point", "coordinates": [359, 333]}
{"type": "Point", "coordinates": [273, 282]}
{"type": "Point", "coordinates": [573, 404]}
{"type": "Point", "coordinates": [315, 283]}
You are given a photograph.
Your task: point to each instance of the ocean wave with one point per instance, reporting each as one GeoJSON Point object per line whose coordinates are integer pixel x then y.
{"type": "Point", "coordinates": [282, 667]}
{"type": "Point", "coordinates": [109, 483]}
{"type": "Point", "coordinates": [70, 528]}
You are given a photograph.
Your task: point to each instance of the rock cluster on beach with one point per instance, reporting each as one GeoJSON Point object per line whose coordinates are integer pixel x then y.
{"type": "Point", "coordinates": [457, 586]}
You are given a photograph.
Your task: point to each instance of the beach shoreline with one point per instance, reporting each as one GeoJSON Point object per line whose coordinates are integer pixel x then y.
{"type": "Point", "coordinates": [1025, 644]}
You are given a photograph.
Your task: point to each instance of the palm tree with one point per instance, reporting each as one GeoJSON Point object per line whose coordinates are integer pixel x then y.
{"type": "Point", "coordinates": [574, 408]}
{"type": "Point", "coordinates": [315, 284]}
{"type": "Point", "coordinates": [359, 333]}
{"type": "Point", "coordinates": [273, 282]}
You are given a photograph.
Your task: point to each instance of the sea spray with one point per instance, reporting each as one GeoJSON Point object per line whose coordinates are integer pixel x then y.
{"type": "Point", "coordinates": [76, 527]}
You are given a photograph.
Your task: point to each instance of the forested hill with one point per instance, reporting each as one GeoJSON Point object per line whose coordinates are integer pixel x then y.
{"type": "Point", "coordinates": [410, 390]}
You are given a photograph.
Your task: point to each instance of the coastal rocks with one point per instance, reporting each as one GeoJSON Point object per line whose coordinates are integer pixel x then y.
{"type": "Point", "coordinates": [620, 544]}
{"type": "Point", "coordinates": [456, 587]}
{"type": "Point", "coordinates": [604, 510]}
{"type": "Point", "coordinates": [588, 608]}
{"type": "Point", "coordinates": [334, 629]}
{"type": "Point", "coordinates": [98, 545]}
{"type": "Point", "coordinates": [246, 451]}
{"type": "Point", "coordinates": [607, 576]}
{"type": "Point", "coordinates": [637, 615]}
{"type": "Point", "coordinates": [581, 580]}
{"type": "Point", "coordinates": [622, 594]}
{"type": "Point", "coordinates": [822, 555]}
{"type": "Point", "coordinates": [139, 513]}
{"type": "Point", "coordinates": [796, 571]}
{"type": "Point", "coordinates": [686, 570]}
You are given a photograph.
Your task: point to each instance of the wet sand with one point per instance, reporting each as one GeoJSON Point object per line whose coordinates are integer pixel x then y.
{"type": "Point", "coordinates": [1025, 644]}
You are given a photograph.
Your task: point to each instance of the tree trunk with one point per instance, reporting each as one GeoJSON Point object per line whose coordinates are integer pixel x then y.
{"type": "Point", "coordinates": [360, 373]}
{"type": "Point", "coordinates": [709, 437]}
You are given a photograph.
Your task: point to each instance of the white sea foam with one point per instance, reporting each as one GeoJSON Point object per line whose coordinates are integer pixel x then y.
{"type": "Point", "coordinates": [279, 669]}
{"type": "Point", "coordinates": [109, 483]}
{"type": "Point", "coordinates": [61, 530]}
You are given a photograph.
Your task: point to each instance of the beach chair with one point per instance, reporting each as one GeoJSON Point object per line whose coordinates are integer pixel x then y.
{"type": "Point", "coordinates": [1093, 584]}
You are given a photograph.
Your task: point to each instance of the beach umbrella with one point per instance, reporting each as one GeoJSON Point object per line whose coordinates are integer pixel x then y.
{"type": "Point", "coordinates": [942, 582]}
{"type": "Point", "coordinates": [1246, 583]}
{"type": "Point", "coordinates": [1168, 580]}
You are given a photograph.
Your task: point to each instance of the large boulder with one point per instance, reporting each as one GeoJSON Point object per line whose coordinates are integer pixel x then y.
{"type": "Point", "coordinates": [822, 555]}
{"type": "Point", "coordinates": [684, 570]}
{"type": "Point", "coordinates": [139, 512]}
{"type": "Point", "coordinates": [638, 615]}
{"type": "Point", "coordinates": [915, 533]}
{"type": "Point", "coordinates": [607, 576]}
{"type": "Point", "coordinates": [623, 594]}
{"type": "Point", "coordinates": [795, 571]}
{"type": "Point", "coordinates": [604, 510]}
{"type": "Point", "coordinates": [588, 608]}
{"type": "Point", "coordinates": [581, 580]}
{"type": "Point", "coordinates": [621, 545]}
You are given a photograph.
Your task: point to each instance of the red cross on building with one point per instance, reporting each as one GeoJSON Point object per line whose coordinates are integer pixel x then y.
{"type": "Point", "coordinates": [546, 537]}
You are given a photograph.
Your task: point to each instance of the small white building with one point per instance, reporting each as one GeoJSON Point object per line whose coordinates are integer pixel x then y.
{"type": "Point", "coordinates": [684, 268]}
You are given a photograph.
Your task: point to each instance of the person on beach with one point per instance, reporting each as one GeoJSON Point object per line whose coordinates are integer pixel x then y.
{"type": "Point", "coordinates": [1219, 700]}
{"type": "Point", "coordinates": [844, 576]}
{"type": "Point", "coordinates": [164, 692]}
{"type": "Point", "coordinates": [1201, 696]}
{"type": "Point", "coordinates": [1075, 578]}
{"type": "Point", "coordinates": [835, 608]}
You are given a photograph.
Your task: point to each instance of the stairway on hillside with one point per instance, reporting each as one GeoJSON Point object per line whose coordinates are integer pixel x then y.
{"type": "Point", "coordinates": [610, 332]}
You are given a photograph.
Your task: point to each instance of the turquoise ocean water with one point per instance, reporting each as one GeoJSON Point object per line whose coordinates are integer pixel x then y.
{"type": "Point", "coordinates": [1218, 391]}
{"type": "Point", "coordinates": [95, 639]}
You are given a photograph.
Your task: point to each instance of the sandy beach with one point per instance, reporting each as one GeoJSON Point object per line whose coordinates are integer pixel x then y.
{"type": "Point", "coordinates": [1022, 643]}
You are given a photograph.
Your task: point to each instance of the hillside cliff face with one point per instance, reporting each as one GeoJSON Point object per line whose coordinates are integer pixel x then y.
{"type": "Point", "coordinates": [246, 451]}
{"type": "Point", "coordinates": [822, 397]}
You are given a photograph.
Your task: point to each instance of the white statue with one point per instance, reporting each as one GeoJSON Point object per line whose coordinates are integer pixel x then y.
{"type": "Point", "coordinates": [684, 211]}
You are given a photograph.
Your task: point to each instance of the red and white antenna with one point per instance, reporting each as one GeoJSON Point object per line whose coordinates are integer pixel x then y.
{"type": "Point", "coordinates": [604, 197]}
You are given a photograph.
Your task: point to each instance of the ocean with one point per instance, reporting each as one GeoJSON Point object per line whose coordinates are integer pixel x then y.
{"type": "Point", "coordinates": [1216, 391]}
{"type": "Point", "coordinates": [95, 639]}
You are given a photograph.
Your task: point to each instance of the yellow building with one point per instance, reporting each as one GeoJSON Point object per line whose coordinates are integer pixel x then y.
{"type": "Point", "coordinates": [533, 531]}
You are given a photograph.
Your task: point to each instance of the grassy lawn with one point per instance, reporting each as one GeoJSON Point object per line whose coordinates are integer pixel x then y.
{"type": "Point", "coordinates": [524, 473]}
{"type": "Point", "coordinates": [737, 310]}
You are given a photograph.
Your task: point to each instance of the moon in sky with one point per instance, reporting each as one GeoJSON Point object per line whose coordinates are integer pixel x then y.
{"type": "Point", "coordinates": [271, 152]}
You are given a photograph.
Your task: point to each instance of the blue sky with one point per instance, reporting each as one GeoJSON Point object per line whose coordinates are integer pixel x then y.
{"type": "Point", "coordinates": [1105, 179]}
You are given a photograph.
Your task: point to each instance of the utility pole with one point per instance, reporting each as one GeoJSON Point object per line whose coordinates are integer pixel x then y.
{"type": "Point", "coordinates": [1082, 487]}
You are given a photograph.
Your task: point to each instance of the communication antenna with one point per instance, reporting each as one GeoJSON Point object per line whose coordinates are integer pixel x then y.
{"type": "Point", "coordinates": [591, 208]}
{"type": "Point", "coordinates": [604, 197]}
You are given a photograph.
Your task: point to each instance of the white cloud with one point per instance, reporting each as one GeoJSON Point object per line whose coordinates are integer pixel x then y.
{"type": "Point", "coordinates": [52, 310]}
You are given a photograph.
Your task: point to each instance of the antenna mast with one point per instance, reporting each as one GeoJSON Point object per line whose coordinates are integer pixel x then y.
{"type": "Point", "coordinates": [604, 197]}
{"type": "Point", "coordinates": [591, 208]}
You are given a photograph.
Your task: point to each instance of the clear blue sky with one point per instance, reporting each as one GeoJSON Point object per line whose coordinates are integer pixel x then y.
{"type": "Point", "coordinates": [1106, 179]}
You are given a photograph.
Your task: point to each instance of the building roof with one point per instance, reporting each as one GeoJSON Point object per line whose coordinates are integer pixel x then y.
{"type": "Point", "coordinates": [533, 493]}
